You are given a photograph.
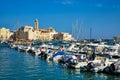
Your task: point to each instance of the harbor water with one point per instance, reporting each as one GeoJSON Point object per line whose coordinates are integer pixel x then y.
{"type": "Point", "coordinates": [16, 65]}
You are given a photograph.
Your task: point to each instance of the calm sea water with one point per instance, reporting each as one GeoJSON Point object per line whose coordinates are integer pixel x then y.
{"type": "Point", "coordinates": [15, 65]}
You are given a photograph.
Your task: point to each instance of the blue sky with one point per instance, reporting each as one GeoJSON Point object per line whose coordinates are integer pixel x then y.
{"type": "Point", "coordinates": [103, 16]}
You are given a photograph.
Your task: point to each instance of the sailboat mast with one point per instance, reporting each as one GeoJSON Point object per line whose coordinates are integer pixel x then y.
{"type": "Point", "coordinates": [90, 34]}
{"type": "Point", "coordinates": [16, 30]}
{"type": "Point", "coordinates": [80, 32]}
{"type": "Point", "coordinates": [72, 30]}
{"type": "Point", "coordinates": [76, 30]}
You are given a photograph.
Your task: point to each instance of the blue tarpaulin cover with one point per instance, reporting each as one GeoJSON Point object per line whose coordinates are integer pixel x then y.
{"type": "Point", "coordinates": [58, 53]}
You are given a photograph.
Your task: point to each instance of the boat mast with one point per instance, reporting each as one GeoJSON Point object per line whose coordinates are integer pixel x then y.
{"type": "Point", "coordinates": [16, 31]}
{"type": "Point", "coordinates": [80, 32]}
{"type": "Point", "coordinates": [72, 30]}
{"type": "Point", "coordinates": [77, 30]}
{"type": "Point", "coordinates": [90, 34]}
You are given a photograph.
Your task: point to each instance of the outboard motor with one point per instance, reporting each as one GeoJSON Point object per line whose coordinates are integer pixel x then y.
{"type": "Point", "coordinates": [43, 55]}
{"type": "Point", "coordinates": [90, 66]}
{"type": "Point", "coordinates": [109, 69]}
{"type": "Point", "coordinates": [106, 69]}
{"type": "Point", "coordinates": [112, 67]}
{"type": "Point", "coordinates": [61, 60]}
{"type": "Point", "coordinates": [72, 61]}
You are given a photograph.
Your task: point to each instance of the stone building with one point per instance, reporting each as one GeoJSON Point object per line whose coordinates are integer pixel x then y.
{"type": "Point", "coordinates": [25, 33]}
{"type": "Point", "coordinates": [63, 36]}
{"type": "Point", "coordinates": [116, 38]}
{"type": "Point", "coordinates": [30, 33]}
{"type": "Point", "coordinates": [46, 34]}
{"type": "Point", "coordinates": [43, 34]}
{"type": "Point", "coordinates": [5, 34]}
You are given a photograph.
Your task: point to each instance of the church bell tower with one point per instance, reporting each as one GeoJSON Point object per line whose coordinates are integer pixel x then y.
{"type": "Point", "coordinates": [36, 24]}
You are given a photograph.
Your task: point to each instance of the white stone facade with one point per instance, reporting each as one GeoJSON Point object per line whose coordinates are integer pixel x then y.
{"type": "Point", "coordinates": [5, 34]}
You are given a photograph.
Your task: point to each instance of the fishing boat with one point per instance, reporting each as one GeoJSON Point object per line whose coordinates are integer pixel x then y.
{"type": "Point", "coordinates": [4, 44]}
